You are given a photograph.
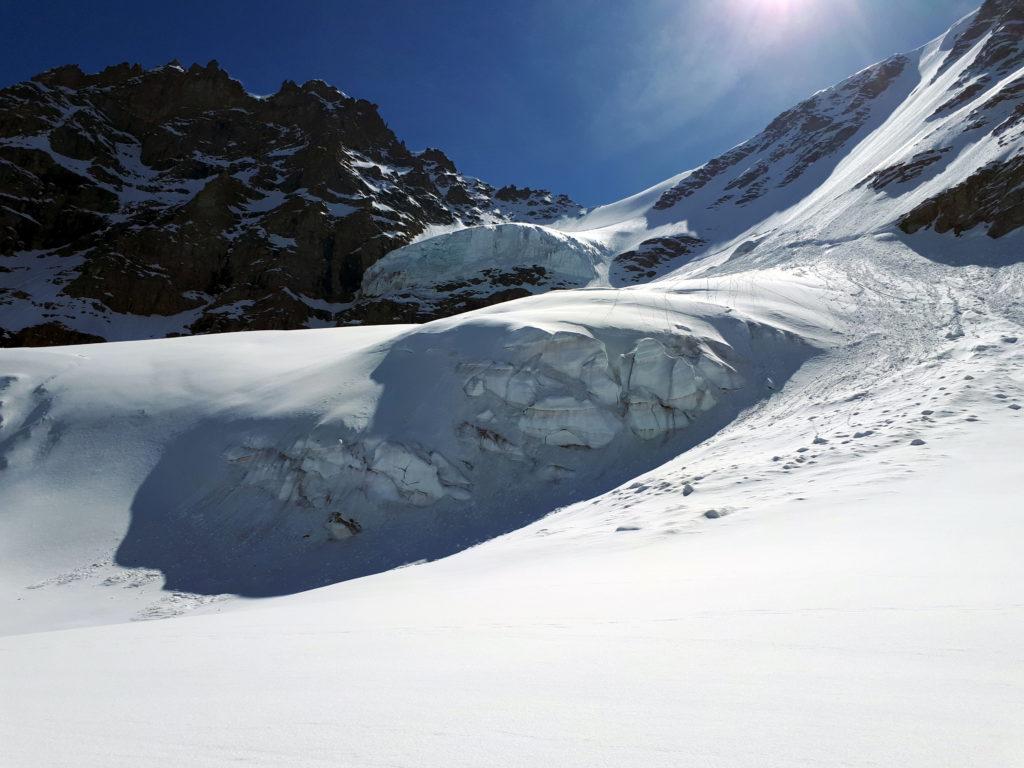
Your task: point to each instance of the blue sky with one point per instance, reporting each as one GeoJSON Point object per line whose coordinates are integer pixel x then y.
{"type": "Point", "coordinates": [595, 98]}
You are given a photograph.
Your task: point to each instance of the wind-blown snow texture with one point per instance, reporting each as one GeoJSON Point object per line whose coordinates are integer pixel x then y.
{"type": "Point", "coordinates": [763, 510]}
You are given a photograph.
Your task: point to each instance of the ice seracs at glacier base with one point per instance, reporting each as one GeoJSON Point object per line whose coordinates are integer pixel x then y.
{"type": "Point", "coordinates": [746, 490]}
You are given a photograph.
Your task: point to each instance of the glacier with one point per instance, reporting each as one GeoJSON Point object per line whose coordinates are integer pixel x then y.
{"type": "Point", "coordinates": [760, 507]}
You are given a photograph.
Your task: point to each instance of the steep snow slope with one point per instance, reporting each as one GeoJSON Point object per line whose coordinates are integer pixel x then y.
{"type": "Point", "coordinates": [930, 139]}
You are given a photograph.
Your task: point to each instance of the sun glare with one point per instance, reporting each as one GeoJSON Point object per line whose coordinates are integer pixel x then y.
{"type": "Point", "coordinates": [778, 15]}
{"type": "Point", "coordinates": [780, 6]}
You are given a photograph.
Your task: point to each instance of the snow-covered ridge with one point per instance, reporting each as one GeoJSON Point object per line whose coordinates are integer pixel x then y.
{"type": "Point", "coordinates": [929, 139]}
{"type": "Point", "coordinates": [821, 514]}
{"type": "Point", "coordinates": [921, 139]}
{"type": "Point", "coordinates": [761, 512]}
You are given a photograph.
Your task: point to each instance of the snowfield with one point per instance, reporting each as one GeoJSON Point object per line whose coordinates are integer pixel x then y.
{"type": "Point", "coordinates": [763, 508]}
{"type": "Point", "coordinates": [833, 576]}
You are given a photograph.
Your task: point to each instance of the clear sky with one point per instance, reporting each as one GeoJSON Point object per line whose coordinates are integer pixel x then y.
{"type": "Point", "coordinates": [595, 98]}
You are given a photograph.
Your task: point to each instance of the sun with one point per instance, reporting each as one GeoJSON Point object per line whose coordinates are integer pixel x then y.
{"type": "Point", "coordinates": [780, 6]}
{"type": "Point", "coordinates": [776, 15]}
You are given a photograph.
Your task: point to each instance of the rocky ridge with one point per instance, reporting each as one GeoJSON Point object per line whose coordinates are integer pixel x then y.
{"type": "Point", "coordinates": [138, 203]}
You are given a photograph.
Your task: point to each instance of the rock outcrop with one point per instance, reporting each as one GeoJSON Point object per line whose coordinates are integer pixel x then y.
{"type": "Point", "coordinates": [994, 196]}
{"type": "Point", "coordinates": [649, 258]}
{"type": "Point", "coordinates": [138, 203]}
{"type": "Point", "coordinates": [796, 140]}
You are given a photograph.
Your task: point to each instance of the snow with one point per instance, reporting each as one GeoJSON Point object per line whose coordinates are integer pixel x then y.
{"type": "Point", "coordinates": [827, 204]}
{"type": "Point", "coordinates": [278, 241]}
{"type": "Point", "coordinates": [457, 256]}
{"type": "Point", "coordinates": [862, 604]}
{"type": "Point", "coordinates": [764, 511]}
{"type": "Point", "coordinates": [330, 428]}
{"type": "Point", "coordinates": [829, 197]}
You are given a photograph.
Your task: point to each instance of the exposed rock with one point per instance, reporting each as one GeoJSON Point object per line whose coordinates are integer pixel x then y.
{"type": "Point", "coordinates": [904, 172]}
{"type": "Point", "coordinates": [51, 334]}
{"type": "Point", "coordinates": [176, 193]}
{"type": "Point", "coordinates": [994, 196]}
{"type": "Point", "coordinates": [648, 259]}
{"type": "Point", "coordinates": [816, 128]}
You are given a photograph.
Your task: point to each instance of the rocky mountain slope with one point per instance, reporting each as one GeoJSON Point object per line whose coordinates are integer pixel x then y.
{"type": "Point", "coordinates": [138, 203]}
{"type": "Point", "coordinates": [416, 440]}
{"type": "Point", "coordinates": [924, 143]}
{"type": "Point", "coordinates": [931, 139]}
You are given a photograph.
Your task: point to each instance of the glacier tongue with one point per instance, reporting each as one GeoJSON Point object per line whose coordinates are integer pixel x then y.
{"type": "Point", "coordinates": [479, 265]}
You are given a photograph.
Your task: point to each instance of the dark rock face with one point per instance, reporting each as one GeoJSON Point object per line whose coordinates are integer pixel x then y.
{"type": "Point", "coordinates": [651, 257]}
{"type": "Point", "coordinates": [174, 193]}
{"type": "Point", "coordinates": [901, 173]}
{"type": "Point", "coordinates": [993, 196]}
{"type": "Point", "coordinates": [463, 298]}
{"type": "Point", "coordinates": [47, 335]}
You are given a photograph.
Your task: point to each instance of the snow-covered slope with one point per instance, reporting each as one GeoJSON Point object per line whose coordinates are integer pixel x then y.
{"type": "Point", "coordinates": [932, 138]}
{"type": "Point", "coordinates": [410, 442]}
{"type": "Point", "coordinates": [831, 577]}
{"type": "Point", "coordinates": [762, 511]}
{"type": "Point", "coordinates": [927, 140]}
